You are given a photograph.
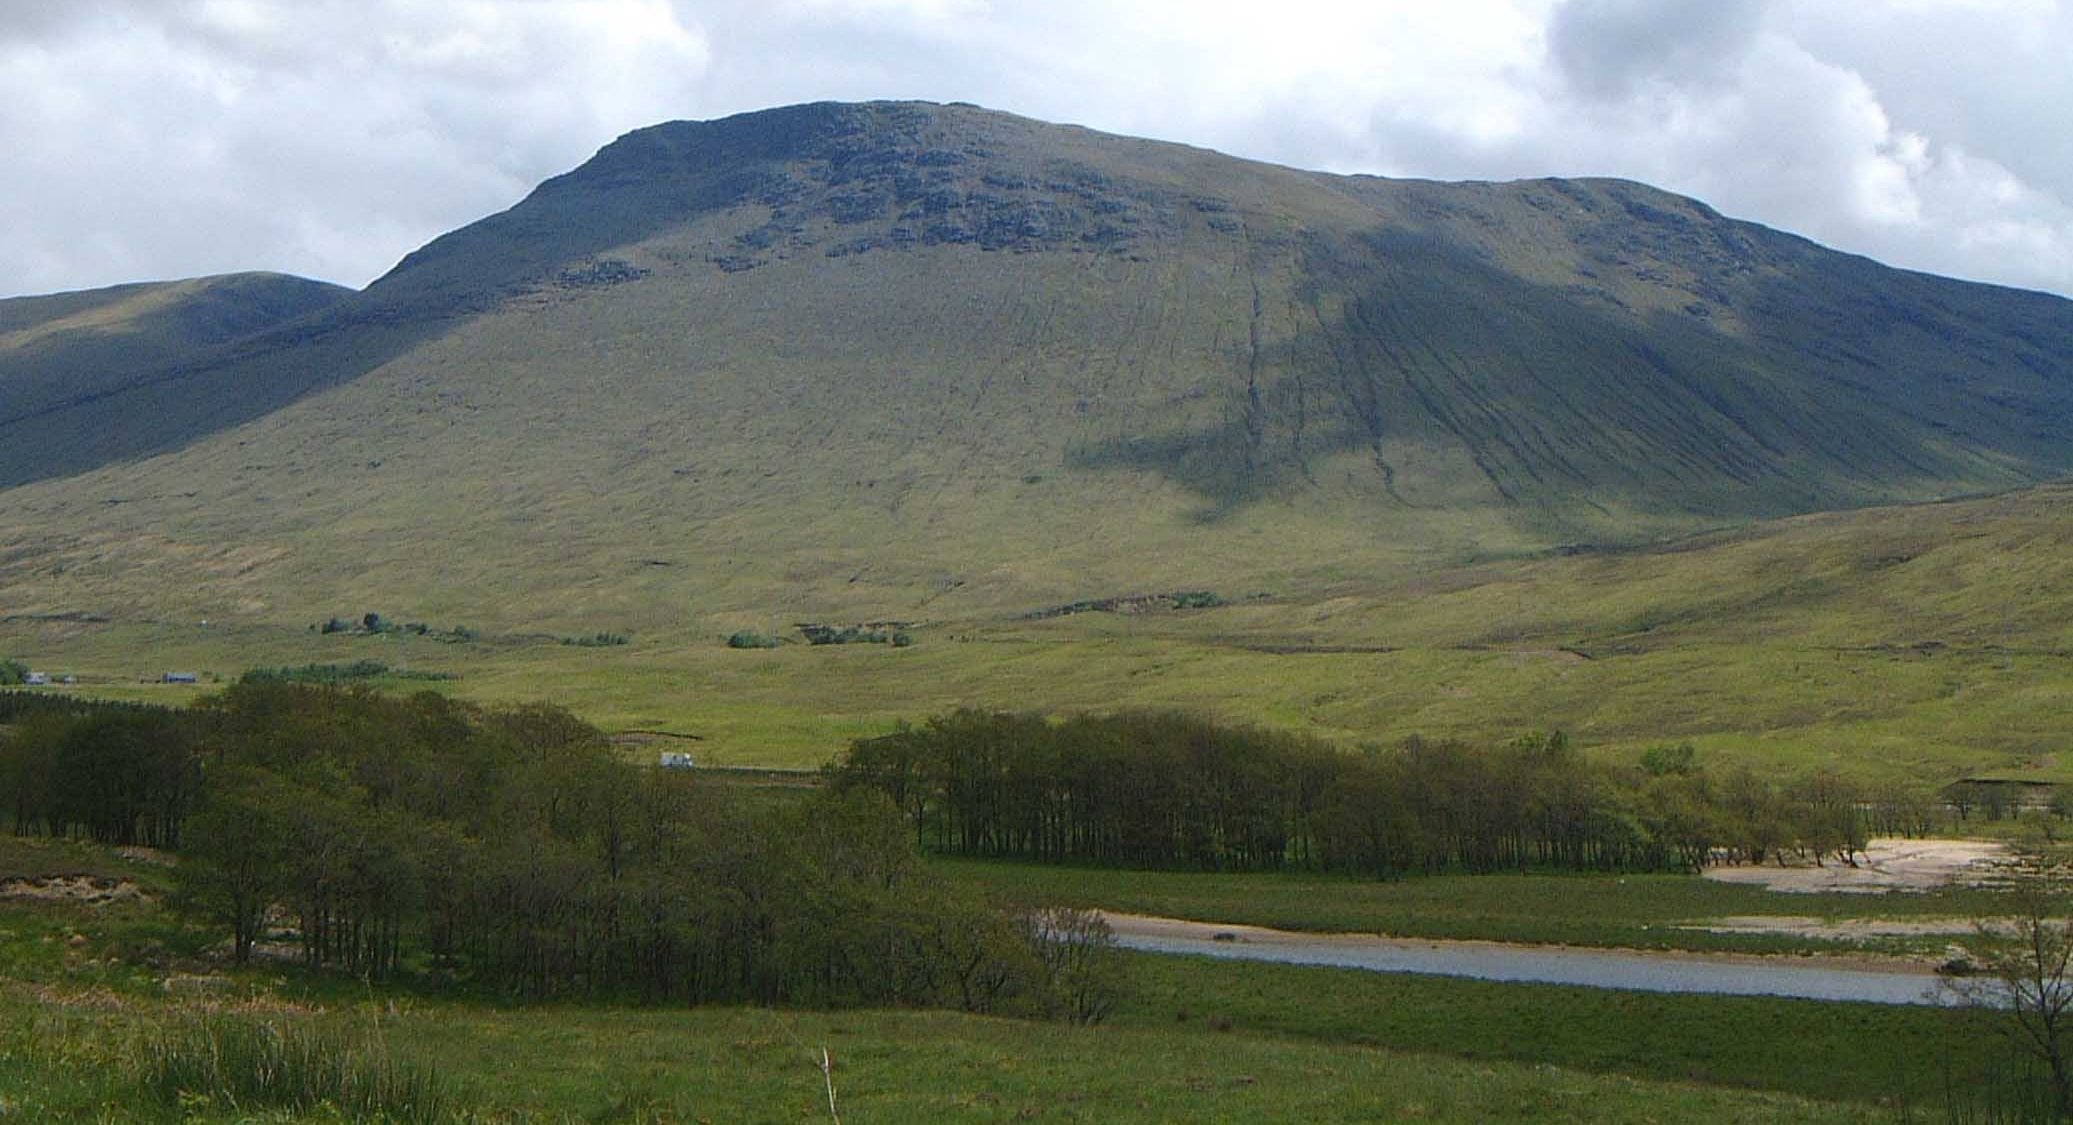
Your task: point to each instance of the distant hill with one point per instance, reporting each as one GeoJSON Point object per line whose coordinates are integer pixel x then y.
{"type": "Point", "coordinates": [905, 360]}
{"type": "Point", "coordinates": [62, 355]}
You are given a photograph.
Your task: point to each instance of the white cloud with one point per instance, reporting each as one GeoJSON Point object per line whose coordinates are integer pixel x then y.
{"type": "Point", "coordinates": [325, 137]}
{"type": "Point", "coordinates": [328, 137]}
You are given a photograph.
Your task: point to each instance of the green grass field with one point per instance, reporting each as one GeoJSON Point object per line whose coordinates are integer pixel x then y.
{"type": "Point", "coordinates": [61, 1063]}
{"type": "Point", "coordinates": [1865, 1053]}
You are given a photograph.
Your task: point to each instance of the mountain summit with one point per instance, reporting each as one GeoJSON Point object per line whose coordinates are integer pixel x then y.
{"type": "Point", "coordinates": [866, 357]}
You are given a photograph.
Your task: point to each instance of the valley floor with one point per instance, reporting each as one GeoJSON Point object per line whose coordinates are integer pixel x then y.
{"type": "Point", "coordinates": [1918, 643]}
{"type": "Point", "coordinates": [89, 982]}
{"type": "Point", "coordinates": [1782, 708]}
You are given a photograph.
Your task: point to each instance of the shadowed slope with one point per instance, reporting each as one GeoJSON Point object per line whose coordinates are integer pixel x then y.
{"type": "Point", "coordinates": [101, 374]}
{"type": "Point", "coordinates": [58, 350]}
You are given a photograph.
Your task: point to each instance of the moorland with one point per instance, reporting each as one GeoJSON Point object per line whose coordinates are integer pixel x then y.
{"type": "Point", "coordinates": [1013, 522]}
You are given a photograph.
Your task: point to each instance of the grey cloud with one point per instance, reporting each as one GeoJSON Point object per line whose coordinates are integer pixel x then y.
{"type": "Point", "coordinates": [1606, 48]}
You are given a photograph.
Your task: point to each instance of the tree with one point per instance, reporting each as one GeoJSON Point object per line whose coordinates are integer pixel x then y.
{"type": "Point", "coordinates": [1078, 951]}
{"type": "Point", "coordinates": [233, 867]}
{"type": "Point", "coordinates": [2023, 970]}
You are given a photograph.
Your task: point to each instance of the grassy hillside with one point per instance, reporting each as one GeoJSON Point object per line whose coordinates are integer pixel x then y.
{"type": "Point", "coordinates": [907, 361]}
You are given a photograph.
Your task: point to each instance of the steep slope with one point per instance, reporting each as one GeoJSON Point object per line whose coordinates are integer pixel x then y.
{"type": "Point", "coordinates": [907, 360]}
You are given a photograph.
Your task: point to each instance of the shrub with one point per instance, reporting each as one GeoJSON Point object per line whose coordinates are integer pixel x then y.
{"type": "Point", "coordinates": [1666, 761]}
{"type": "Point", "coordinates": [336, 674]}
{"type": "Point", "coordinates": [753, 640]}
{"type": "Point", "coordinates": [13, 673]}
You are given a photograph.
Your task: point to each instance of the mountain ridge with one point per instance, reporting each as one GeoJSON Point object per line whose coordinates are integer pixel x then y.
{"type": "Point", "coordinates": [864, 357]}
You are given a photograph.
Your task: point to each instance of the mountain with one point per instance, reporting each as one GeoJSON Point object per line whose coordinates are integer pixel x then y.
{"type": "Point", "coordinates": [910, 360]}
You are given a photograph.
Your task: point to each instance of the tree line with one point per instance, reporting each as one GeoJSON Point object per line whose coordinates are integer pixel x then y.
{"type": "Point", "coordinates": [1171, 790]}
{"type": "Point", "coordinates": [512, 848]}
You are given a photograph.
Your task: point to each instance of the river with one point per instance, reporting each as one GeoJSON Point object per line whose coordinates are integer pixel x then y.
{"type": "Point", "coordinates": [1639, 970]}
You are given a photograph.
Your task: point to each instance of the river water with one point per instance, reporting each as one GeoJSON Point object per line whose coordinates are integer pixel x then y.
{"type": "Point", "coordinates": [1590, 968]}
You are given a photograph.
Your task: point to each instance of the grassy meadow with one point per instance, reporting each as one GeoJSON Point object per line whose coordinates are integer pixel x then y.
{"type": "Point", "coordinates": [63, 1059]}
{"type": "Point", "coordinates": [1925, 642]}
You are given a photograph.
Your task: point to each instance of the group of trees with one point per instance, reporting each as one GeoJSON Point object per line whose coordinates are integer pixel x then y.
{"type": "Point", "coordinates": [513, 848]}
{"type": "Point", "coordinates": [339, 673]}
{"type": "Point", "coordinates": [118, 774]}
{"type": "Point", "coordinates": [1170, 790]}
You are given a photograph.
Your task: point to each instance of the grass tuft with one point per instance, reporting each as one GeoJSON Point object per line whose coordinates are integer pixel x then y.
{"type": "Point", "coordinates": [244, 1064]}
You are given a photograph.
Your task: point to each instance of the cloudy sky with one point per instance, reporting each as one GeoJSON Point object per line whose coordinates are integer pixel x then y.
{"type": "Point", "coordinates": [169, 138]}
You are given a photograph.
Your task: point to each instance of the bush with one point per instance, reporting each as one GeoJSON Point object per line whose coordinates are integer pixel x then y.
{"type": "Point", "coordinates": [13, 673]}
{"type": "Point", "coordinates": [1667, 761]}
{"type": "Point", "coordinates": [878, 634]}
{"type": "Point", "coordinates": [753, 640]}
{"type": "Point", "coordinates": [597, 640]}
